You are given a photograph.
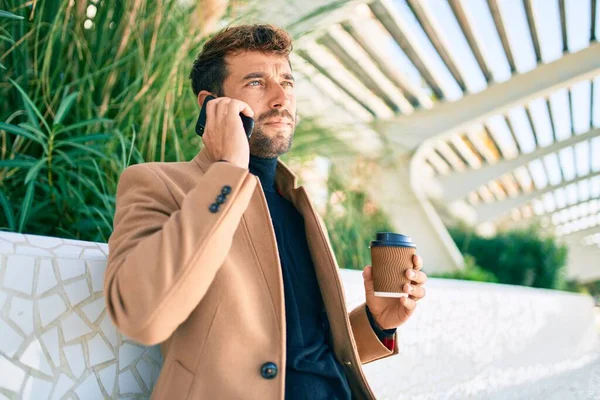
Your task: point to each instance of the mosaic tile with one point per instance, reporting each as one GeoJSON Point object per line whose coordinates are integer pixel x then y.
{"type": "Point", "coordinates": [155, 354]}
{"type": "Point", "coordinates": [145, 371]}
{"type": "Point", "coordinates": [98, 351]}
{"type": "Point", "coordinates": [12, 376]}
{"type": "Point", "coordinates": [70, 267]}
{"type": "Point", "coordinates": [128, 384]}
{"type": "Point", "coordinates": [35, 358]}
{"type": "Point", "coordinates": [128, 353]}
{"type": "Point", "coordinates": [93, 310]}
{"type": "Point", "coordinates": [50, 308]}
{"type": "Point", "coordinates": [67, 251]}
{"type": "Point", "coordinates": [94, 254]}
{"type": "Point", "coordinates": [6, 247]}
{"type": "Point", "coordinates": [107, 377]}
{"type": "Point", "coordinates": [74, 356]}
{"type": "Point", "coordinates": [109, 330]}
{"type": "Point", "coordinates": [44, 242]}
{"type": "Point", "coordinates": [103, 247]}
{"type": "Point", "coordinates": [10, 340]}
{"type": "Point", "coordinates": [13, 237]}
{"type": "Point", "coordinates": [37, 389]}
{"type": "Point", "coordinates": [63, 385]}
{"type": "Point", "coordinates": [77, 292]}
{"type": "Point", "coordinates": [50, 343]}
{"type": "Point", "coordinates": [21, 313]}
{"type": "Point", "coordinates": [89, 389]}
{"type": "Point", "coordinates": [74, 327]}
{"type": "Point", "coordinates": [46, 277]}
{"type": "Point", "coordinates": [3, 297]}
{"type": "Point", "coordinates": [19, 274]}
{"type": "Point", "coordinates": [32, 251]}
{"type": "Point", "coordinates": [79, 243]}
{"type": "Point", "coordinates": [97, 269]}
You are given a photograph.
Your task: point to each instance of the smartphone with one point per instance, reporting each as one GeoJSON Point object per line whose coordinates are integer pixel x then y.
{"type": "Point", "coordinates": [201, 124]}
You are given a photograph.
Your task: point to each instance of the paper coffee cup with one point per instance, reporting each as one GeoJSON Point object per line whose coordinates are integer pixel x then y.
{"type": "Point", "coordinates": [391, 256]}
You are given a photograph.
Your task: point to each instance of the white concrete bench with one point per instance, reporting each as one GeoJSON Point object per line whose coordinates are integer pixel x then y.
{"type": "Point", "coordinates": [466, 340]}
{"type": "Point", "coordinates": [470, 340]}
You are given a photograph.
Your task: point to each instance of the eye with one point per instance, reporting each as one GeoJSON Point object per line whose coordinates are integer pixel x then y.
{"type": "Point", "coordinates": [289, 83]}
{"type": "Point", "coordinates": [252, 83]}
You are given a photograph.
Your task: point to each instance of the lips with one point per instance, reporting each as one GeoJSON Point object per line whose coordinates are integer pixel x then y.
{"type": "Point", "coordinates": [278, 122]}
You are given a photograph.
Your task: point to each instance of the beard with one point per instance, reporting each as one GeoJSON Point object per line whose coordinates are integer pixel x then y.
{"type": "Point", "coordinates": [278, 142]}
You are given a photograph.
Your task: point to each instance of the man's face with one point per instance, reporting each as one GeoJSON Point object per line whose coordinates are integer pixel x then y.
{"type": "Point", "coordinates": [266, 84]}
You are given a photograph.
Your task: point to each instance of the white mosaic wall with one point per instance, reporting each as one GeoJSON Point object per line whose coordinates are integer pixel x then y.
{"type": "Point", "coordinates": [466, 340]}
{"type": "Point", "coordinates": [56, 338]}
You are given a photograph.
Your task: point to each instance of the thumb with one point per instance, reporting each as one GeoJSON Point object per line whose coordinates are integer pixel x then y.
{"type": "Point", "coordinates": [368, 279]}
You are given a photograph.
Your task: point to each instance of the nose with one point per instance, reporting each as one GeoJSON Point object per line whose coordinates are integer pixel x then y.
{"type": "Point", "coordinates": [279, 97]}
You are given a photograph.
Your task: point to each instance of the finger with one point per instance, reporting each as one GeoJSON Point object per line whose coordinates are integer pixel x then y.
{"type": "Point", "coordinates": [238, 106]}
{"type": "Point", "coordinates": [415, 292]}
{"type": "Point", "coordinates": [368, 272]}
{"type": "Point", "coordinates": [417, 277]}
{"type": "Point", "coordinates": [211, 113]}
{"type": "Point", "coordinates": [216, 110]}
{"type": "Point", "coordinates": [409, 304]}
{"type": "Point", "coordinates": [368, 279]}
{"type": "Point", "coordinates": [221, 107]}
{"type": "Point", "coordinates": [417, 262]}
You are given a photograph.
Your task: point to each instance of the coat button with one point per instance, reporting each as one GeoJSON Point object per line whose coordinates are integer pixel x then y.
{"type": "Point", "coordinates": [214, 207]}
{"type": "Point", "coordinates": [226, 190]}
{"type": "Point", "coordinates": [221, 199]}
{"type": "Point", "coordinates": [269, 370]}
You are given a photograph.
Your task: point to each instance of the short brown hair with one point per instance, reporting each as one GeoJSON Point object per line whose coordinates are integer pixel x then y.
{"type": "Point", "coordinates": [209, 69]}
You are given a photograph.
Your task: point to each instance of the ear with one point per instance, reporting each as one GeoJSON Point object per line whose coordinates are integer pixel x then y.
{"type": "Point", "coordinates": [202, 95]}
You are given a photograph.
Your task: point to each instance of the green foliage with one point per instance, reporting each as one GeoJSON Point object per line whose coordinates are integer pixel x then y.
{"type": "Point", "coordinates": [352, 222]}
{"type": "Point", "coordinates": [130, 66]}
{"type": "Point", "coordinates": [83, 98]}
{"type": "Point", "coordinates": [517, 257]}
{"type": "Point", "coordinates": [471, 272]}
{"type": "Point", "coordinates": [574, 286]}
{"type": "Point", "coordinates": [591, 288]}
{"type": "Point", "coordinates": [58, 180]}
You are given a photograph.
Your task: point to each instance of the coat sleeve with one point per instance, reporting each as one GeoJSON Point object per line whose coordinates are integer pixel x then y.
{"type": "Point", "coordinates": [163, 256]}
{"type": "Point", "coordinates": [369, 346]}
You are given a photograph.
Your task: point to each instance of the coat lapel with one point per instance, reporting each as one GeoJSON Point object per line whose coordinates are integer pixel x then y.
{"type": "Point", "coordinates": [324, 261]}
{"type": "Point", "coordinates": [261, 234]}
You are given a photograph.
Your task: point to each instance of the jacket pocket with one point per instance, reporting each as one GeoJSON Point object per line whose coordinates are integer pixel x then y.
{"type": "Point", "coordinates": [176, 385]}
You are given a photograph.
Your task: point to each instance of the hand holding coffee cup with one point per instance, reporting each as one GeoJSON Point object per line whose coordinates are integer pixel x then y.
{"type": "Point", "coordinates": [394, 282]}
{"type": "Point", "coordinates": [391, 256]}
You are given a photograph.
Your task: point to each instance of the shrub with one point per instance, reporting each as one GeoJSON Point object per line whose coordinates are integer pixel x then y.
{"type": "Point", "coordinates": [471, 272]}
{"type": "Point", "coordinates": [518, 257]}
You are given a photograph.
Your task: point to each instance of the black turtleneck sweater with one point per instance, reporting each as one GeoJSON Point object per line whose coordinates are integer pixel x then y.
{"type": "Point", "coordinates": [312, 371]}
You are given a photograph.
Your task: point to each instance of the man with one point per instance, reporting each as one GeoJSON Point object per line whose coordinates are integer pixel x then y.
{"type": "Point", "coordinates": [224, 261]}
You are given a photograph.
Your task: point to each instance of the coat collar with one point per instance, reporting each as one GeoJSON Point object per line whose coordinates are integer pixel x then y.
{"type": "Point", "coordinates": [285, 180]}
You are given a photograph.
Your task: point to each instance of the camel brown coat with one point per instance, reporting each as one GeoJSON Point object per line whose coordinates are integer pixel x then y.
{"type": "Point", "coordinates": [207, 285]}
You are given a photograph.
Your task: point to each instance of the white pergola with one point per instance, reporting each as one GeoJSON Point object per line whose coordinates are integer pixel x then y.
{"type": "Point", "coordinates": [490, 108]}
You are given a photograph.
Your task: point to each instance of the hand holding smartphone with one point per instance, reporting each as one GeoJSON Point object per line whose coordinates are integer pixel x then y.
{"type": "Point", "coordinates": [247, 122]}
{"type": "Point", "coordinates": [221, 130]}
